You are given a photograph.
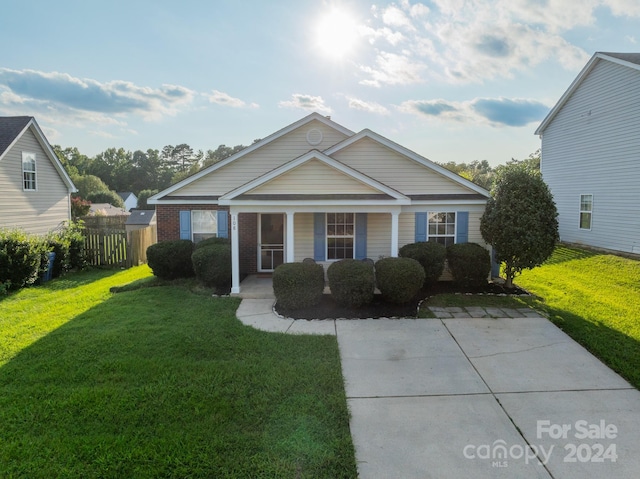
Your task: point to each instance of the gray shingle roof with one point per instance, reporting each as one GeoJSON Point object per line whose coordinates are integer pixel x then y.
{"type": "Point", "coordinates": [10, 128]}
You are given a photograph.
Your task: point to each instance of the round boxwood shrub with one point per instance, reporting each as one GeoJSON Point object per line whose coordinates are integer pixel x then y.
{"type": "Point", "coordinates": [171, 259]}
{"type": "Point", "coordinates": [212, 266]}
{"type": "Point", "coordinates": [352, 282]}
{"type": "Point", "coordinates": [430, 255]}
{"type": "Point", "coordinates": [212, 241]}
{"type": "Point", "coordinates": [298, 285]}
{"type": "Point", "coordinates": [23, 258]}
{"type": "Point", "coordinates": [399, 279]}
{"type": "Point", "coordinates": [469, 264]}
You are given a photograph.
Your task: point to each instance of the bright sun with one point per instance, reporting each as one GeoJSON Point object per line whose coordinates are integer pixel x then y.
{"type": "Point", "coordinates": [336, 34]}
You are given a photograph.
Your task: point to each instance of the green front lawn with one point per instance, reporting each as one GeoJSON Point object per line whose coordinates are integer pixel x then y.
{"type": "Point", "coordinates": [162, 382]}
{"type": "Point", "coordinates": [595, 298]}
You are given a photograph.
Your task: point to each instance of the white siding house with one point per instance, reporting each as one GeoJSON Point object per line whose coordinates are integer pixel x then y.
{"type": "Point", "coordinates": [34, 187]}
{"type": "Point", "coordinates": [316, 189]}
{"type": "Point", "coordinates": [591, 154]}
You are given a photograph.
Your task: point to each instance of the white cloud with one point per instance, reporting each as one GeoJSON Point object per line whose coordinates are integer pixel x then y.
{"type": "Point", "coordinates": [369, 107]}
{"type": "Point", "coordinates": [224, 99]}
{"type": "Point", "coordinates": [476, 40]}
{"type": "Point", "coordinates": [394, 69]}
{"type": "Point", "coordinates": [306, 102]}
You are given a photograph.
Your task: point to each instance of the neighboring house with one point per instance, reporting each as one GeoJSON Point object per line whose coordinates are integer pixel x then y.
{"type": "Point", "coordinates": [130, 200]}
{"type": "Point", "coordinates": [106, 209]}
{"type": "Point", "coordinates": [316, 189]}
{"type": "Point", "coordinates": [139, 219]}
{"type": "Point", "coordinates": [35, 190]}
{"type": "Point", "coordinates": [591, 153]}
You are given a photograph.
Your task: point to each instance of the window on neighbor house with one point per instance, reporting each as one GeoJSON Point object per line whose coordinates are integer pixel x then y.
{"type": "Point", "coordinates": [441, 228]}
{"type": "Point", "coordinates": [586, 210]}
{"type": "Point", "coordinates": [204, 224]}
{"type": "Point", "coordinates": [29, 171]}
{"type": "Point", "coordinates": [340, 235]}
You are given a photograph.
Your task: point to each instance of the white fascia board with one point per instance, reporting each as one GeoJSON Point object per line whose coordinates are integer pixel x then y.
{"type": "Point", "coordinates": [321, 208]}
{"type": "Point", "coordinates": [331, 203]}
{"type": "Point", "coordinates": [313, 155]}
{"type": "Point", "coordinates": [274, 136]}
{"type": "Point", "coordinates": [421, 205]}
{"type": "Point", "coordinates": [412, 155]}
{"type": "Point", "coordinates": [169, 201]}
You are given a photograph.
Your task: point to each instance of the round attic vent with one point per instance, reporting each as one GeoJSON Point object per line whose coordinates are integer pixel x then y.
{"type": "Point", "coordinates": [314, 136]}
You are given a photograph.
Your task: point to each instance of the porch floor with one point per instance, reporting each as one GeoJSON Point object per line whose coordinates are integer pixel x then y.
{"type": "Point", "coordinates": [258, 286]}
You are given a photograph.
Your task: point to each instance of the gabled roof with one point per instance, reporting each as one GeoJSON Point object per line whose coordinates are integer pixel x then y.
{"type": "Point", "coordinates": [274, 136]}
{"type": "Point", "coordinates": [366, 133]}
{"type": "Point", "coordinates": [13, 127]}
{"type": "Point", "coordinates": [630, 60]}
{"type": "Point", "coordinates": [387, 192]}
{"type": "Point", "coordinates": [141, 217]}
{"type": "Point", "coordinates": [125, 195]}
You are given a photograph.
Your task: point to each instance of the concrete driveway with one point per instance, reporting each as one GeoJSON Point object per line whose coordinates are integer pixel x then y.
{"type": "Point", "coordinates": [484, 397]}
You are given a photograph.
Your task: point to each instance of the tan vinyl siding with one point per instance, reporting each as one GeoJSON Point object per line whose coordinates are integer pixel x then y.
{"type": "Point", "coordinates": [312, 177]}
{"type": "Point", "coordinates": [378, 235]}
{"type": "Point", "coordinates": [395, 170]}
{"type": "Point", "coordinates": [34, 211]}
{"type": "Point", "coordinates": [303, 236]}
{"type": "Point", "coordinates": [592, 147]}
{"type": "Point", "coordinates": [406, 229]}
{"type": "Point", "coordinates": [261, 161]}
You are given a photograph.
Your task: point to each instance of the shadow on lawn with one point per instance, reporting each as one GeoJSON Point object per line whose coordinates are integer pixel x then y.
{"type": "Point", "coordinates": [615, 349]}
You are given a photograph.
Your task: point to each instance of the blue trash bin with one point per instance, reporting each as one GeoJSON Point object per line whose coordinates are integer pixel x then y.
{"type": "Point", "coordinates": [49, 273]}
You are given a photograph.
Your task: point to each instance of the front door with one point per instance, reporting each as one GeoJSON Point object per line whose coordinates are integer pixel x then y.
{"type": "Point", "coordinates": [270, 241]}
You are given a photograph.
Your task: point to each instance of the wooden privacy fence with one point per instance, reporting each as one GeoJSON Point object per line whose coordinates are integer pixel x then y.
{"type": "Point", "coordinates": [108, 243]}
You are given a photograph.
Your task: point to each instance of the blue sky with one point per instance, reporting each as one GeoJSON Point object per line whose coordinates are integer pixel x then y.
{"type": "Point", "coordinates": [453, 80]}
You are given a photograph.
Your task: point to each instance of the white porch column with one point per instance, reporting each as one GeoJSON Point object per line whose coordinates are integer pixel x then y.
{"type": "Point", "coordinates": [235, 255]}
{"type": "Point", "coordinates": [394, 233]}
{"type": "Point", "coordinates": [290, 258]}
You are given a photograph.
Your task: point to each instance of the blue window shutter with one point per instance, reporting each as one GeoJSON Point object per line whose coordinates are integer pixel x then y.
{"type": "Point", "coordinates": [223, 224]}
{"type": "Point", "coordinates": [462, 227]}
{"type": "Point", "coordinates": [361, 235]}
{"type": "Point", "coordinates": [421, 227]}
{"type": "Point", "coordinates": [185, 225]}
{"type": "Point", "coordinates": [319, 249]}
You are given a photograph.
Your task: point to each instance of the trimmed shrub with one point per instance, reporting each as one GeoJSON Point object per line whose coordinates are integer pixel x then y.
{"type": "Point", "coordinates": [430, 255]}
{"type": "Point", "coordinates": [212, 266]}
{"type": "Point", "coordinates": [469, 264]}
{"type": "Point", "coordinates": [171, 259]}
{"type": "Point", "coordinates": [23, 258]}
{"type": "Point", "coordinates": [352, 282]}
{"type": "Point", "coordinates": [68, 245]}
{"type": "Point", "coordinates": [298, 285]}
{"type": "Point", "coordinates": [399, 279]}
{"type": "Point", "coordinates": [212, 241]}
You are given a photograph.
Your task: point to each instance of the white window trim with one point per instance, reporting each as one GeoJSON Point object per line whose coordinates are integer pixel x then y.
{"type": "Point", "coordinates": [327, 236]}
{"type": "Point", "coordinates": [455, 225]}
{"type": "Point", "coordinates": [585, 211]}
{"type": "Point", "coordinates": [193, 229]}
{"type": "Point", "coordinates": [25, 156]}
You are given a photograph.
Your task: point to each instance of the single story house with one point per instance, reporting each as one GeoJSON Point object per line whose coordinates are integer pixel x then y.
{"type": "Point", "coordinates": [35, 189]}
{"type": "Point", "coordinates": [139, 219]}
{"type": "Point", "coordinates": [590, 151]}
{"type": "Point", "coordinates": [106, 209]}
{"type": "Point", "coordinates": [317, 189]}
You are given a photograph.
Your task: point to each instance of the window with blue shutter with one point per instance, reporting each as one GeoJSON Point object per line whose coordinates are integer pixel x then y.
{"type": "Point", "coordinates": [223, 224]}
{"type": "Point", "coordinates": [462, 227]}
{"type": "Point", "coordinates": [319, 248]}
{"type": "Point", "coordinates": [421, 227]}
{"type": "Point", "coordinates": [361, 235]}
{"type": "Point", "coordinates": [185, 225]}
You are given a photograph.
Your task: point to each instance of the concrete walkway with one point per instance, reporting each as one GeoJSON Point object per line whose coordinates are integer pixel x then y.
{"type": "Point", "coordinates": [475, 396]}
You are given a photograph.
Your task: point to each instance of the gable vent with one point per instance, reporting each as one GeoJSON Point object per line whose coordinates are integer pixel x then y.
{"type": "Point", "coordinates": [314, 136]}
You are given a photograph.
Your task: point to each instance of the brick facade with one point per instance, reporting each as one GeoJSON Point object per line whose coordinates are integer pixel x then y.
{"type": "Point", "coordinates": [168, 217]}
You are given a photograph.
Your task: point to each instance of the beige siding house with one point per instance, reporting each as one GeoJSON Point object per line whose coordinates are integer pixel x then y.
{"type": "Point", "coordinates": [34, 187]}
{"type": "Point", "coordinates": [316, 189]}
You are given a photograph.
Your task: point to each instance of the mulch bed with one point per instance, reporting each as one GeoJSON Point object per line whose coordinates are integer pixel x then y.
{"type": "Point", "coordinates": [378, 308]}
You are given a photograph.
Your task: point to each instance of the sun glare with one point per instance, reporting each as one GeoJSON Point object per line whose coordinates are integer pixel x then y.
{"type": "Point", "coordinates": [336, 34]}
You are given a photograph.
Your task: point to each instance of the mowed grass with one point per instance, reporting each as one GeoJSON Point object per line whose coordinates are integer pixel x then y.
{"type": "Point", "coordinates": [595, 298]}
{"type": "Point", "coordinates": [162, 382]}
